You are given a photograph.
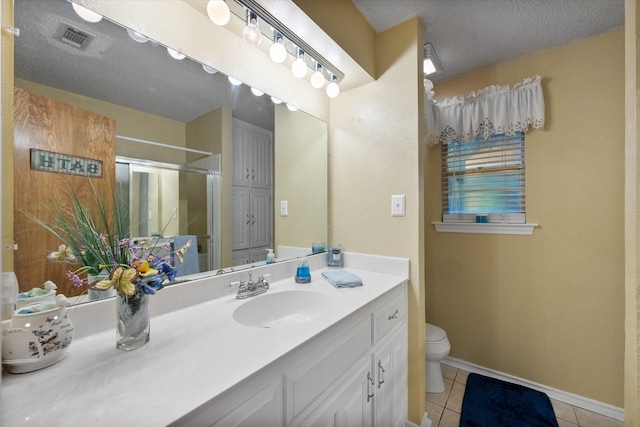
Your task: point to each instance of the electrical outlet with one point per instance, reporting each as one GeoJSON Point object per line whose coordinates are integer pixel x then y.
{"type": "Point", "coordinates": [284, 208]}
{"type": "Point", "coordinates": [397, 205]}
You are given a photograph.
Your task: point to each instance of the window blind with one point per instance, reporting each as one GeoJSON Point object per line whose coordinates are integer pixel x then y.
{"type": "Point", "coordinates": [484, 177]}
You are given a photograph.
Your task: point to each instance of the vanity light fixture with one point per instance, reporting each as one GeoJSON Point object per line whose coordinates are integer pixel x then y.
{"type": "Point", "coordinates": [333, 89]}
{"type": "Point", "coordinates": [218, 12]}
{"type": "Point", "coordinates": [281, 35]}
{"type": "Point", "coordinates": [256, 92]}
{"type": "Point", "coordinates": [251, 33]}
{"type": "Point", "coordinates": [275, 100]}
{"type": "Point", "coordinates": [175, 54]}
{"type": "Point", "coordinates": [291, 107]}
{"type": "Point", "coordinates": [234, 81]}
{"type": "Point", "coordinates": [317, 78]}
{"type": "Point", "coordinates": [299, 67]}
{"type": "Point", "coordinates": [277, 51]}
{"type": "Point", "coordinates": [136, 36]}
{"type": "Point", "coordinates": [86, 14]}
{"type": "Point", "coordinates": [209, 69]}
{"type": "Point", "coordinates": [430, 64]}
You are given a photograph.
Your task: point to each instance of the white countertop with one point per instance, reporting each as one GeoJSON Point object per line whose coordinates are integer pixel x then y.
{"type": "Point", "coordinates": [194, 354]}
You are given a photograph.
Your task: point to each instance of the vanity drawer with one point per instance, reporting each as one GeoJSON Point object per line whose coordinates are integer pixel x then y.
{"type": "Point", "coordinates": [388, 316]}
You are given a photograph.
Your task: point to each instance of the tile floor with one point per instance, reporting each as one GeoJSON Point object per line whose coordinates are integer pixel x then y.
{"type": "Point", "coordinates": [444, 408]}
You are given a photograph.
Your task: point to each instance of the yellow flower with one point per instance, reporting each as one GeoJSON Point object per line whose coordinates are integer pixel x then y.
{"type": "Point", "coordinates": [123, 280]}
{"type": "Point", "coordinates": [142, 266]}
{"type": "Point", "coordinates": [63, 252]}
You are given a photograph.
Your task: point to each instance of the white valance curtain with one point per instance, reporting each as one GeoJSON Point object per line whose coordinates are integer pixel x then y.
{"type": "Point", "coordinates": [492, 110]}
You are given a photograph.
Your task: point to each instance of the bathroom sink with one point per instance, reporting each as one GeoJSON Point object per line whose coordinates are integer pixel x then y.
{"type": "Point", "coordinates": [278, 309]}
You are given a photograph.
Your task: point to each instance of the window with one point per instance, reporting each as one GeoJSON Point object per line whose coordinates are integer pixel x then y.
{"type": "Point", "coordinates": [484, 177]}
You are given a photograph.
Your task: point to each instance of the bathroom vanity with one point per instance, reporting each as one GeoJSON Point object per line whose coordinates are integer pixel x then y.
{"type": "Point", "coordinates": [299, 354]}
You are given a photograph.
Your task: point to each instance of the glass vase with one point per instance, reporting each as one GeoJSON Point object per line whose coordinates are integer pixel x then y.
{"type": "Point", "coordinates": [133, 321]}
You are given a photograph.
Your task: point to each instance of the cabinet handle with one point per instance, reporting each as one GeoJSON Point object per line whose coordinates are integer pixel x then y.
{"type": "Point", "coordinates": [253, 219]}
{"type": "Point", "coordinates": [248, 219]}
{"type": "Point", "coordinates": [247, 173]}
{"type": "Point", "coordinates": [394, 315]}
{"type": "Point", "coordinates": [253, 175]}
{"type": "Point", "coordinates": [369, 384]}
{"type": "Point", "coordinates": [380, 374]}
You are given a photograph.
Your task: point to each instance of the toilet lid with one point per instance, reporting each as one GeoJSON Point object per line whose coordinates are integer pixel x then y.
{"type": "Point", "coordinates": [435, 333]}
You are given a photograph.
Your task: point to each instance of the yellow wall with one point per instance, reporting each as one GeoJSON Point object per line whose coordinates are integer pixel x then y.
{"type": "Point", "coordinates": [632, 225]}
{"type": "Point", "coordinates": [547, 307]}
{"type": "Point", "coordinates": [6, 65]}
{"type": "Point", "coordinates": [374, 133]}
{"type": "Point", "coordinates": [300, 141]}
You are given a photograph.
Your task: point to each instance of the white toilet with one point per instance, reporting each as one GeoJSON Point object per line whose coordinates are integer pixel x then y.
{"type": "Point", "coordinates": [437, 348]}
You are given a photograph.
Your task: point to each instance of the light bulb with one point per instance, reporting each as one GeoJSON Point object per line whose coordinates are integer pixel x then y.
{"type": "Point", "coordinates": [137, 36]}
{"type": "Point", "coordinates": [218, 12]}
{"type": "Point", "coordinates": [317, 78]}
{"type": "Point", "coordinates": [256, 92]}
{"type": "Point", "coordinates": [208, 69]}
{"type": "Point", "coordinates": [251, 33]}
{"type": "Point", "coordinates": [234, 81]}
{"type": "Point", "coordinates": [333, 89]}
{"type": "Point", "coordinates": [86, 14]}
{"type": "Point", "coordinates": [175, 54]}
{"type": "Point", "coordinates": [292, 108]}
{"type": "Point", "coordinates": [277, 51]}
{"type": "Point", "coordinates": [275, 100]}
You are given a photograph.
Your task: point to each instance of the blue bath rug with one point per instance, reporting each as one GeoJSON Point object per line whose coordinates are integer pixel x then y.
{"type": "Point", "coordinates": [489, 402]}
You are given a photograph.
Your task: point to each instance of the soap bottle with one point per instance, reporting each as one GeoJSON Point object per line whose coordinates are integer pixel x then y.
{"type": "Point", "coordinates": [271, 258]}
{"type": "Point", "coordinates": [303, 274]}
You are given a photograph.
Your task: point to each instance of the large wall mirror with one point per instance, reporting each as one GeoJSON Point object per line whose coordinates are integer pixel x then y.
{"type": "Point", "coordinates": [174, 120]}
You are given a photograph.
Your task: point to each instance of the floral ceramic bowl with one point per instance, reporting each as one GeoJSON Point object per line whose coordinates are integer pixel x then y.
{"type": "Point", "coordinates": [36, 339]}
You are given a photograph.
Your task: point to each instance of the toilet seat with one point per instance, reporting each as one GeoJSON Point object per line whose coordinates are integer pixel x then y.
{"type": "Point", "coordinates": [435, 334]}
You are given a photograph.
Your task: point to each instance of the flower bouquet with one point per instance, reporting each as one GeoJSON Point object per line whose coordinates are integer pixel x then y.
{"type": "Point", "coordinates": [97, 242]}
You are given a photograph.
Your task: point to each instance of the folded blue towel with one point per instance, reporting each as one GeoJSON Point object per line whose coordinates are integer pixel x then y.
{"type": "Point", "coordinates": [342, 278]}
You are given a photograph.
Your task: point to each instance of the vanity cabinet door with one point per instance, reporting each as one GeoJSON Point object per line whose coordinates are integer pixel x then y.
{"type": "Point", "coordinates": [390, 367]}
{"type": "Point", "coordinates": [349, 405]}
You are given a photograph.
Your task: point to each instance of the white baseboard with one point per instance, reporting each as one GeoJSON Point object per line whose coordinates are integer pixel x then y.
{"type": "Point", "coordinates": [426, 422]}
{"type": "Point", "coordinates": [563, 396]}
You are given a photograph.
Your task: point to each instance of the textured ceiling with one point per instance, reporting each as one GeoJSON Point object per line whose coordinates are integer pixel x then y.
{"type": "Point", "coordinates": [470, 34]}
{"type": "Point", "coordinates": [466, 34]}
{"type": "Point", "coordinates": [116, 69]}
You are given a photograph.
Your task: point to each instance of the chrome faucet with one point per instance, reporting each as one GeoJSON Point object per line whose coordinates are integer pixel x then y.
{"type": "Point", "coordinates": [250, 288]}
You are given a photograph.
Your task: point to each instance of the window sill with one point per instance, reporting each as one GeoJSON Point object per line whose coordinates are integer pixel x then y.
{"type": "Point", "coordinates": [487, 228]}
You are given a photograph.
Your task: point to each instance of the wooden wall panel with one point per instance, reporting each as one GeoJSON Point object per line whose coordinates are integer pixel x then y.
{"type": "Point", "coordinates": [46, 124]}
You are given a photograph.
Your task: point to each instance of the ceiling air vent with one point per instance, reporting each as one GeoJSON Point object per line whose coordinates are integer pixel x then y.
{"type": "Point", "coordinates": [74, 37]}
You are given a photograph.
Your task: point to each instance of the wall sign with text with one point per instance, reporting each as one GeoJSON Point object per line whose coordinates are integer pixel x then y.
{"type": "Point", "coordinates": [63, 163]}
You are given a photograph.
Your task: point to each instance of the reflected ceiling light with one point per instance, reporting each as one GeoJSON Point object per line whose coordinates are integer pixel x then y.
{"type": "Point", "coordinates": [208, 69]}
{"type": "Point", "coordinates": [292, 108]}
{"type": "Point", "coordinates": [275, 100]}
{"type": "Point", "coordinates": [218, 12]}
{"type": "Point", "coordinates": [277, 51]}
{"type": "Point", "coordinates": [333, 89]}
{"type": "Point", "coordinates": [86, 14]}
{"type": "Point", "coordinates": [136, 36]}
{"type": "Point", "coordinates": [175, 54]}
{"type": "Point", "coordinates": [299, 67]}
{"type": "Point", "coordinates": [234, 81]}
{"type": "Point", "coordinates": [256, 92]}
{"type": "Point", "coordinates": [317, 78]}
{"type": "Point", "coordinates": [430, 64]}
{"type": "Point", "coordinates": [251, 33]}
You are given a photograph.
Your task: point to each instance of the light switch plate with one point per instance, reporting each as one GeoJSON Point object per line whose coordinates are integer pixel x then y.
{"type": "Point", "coordinates": [397, 205]}
{"type": "Point", "coordinates": [284, 208]}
